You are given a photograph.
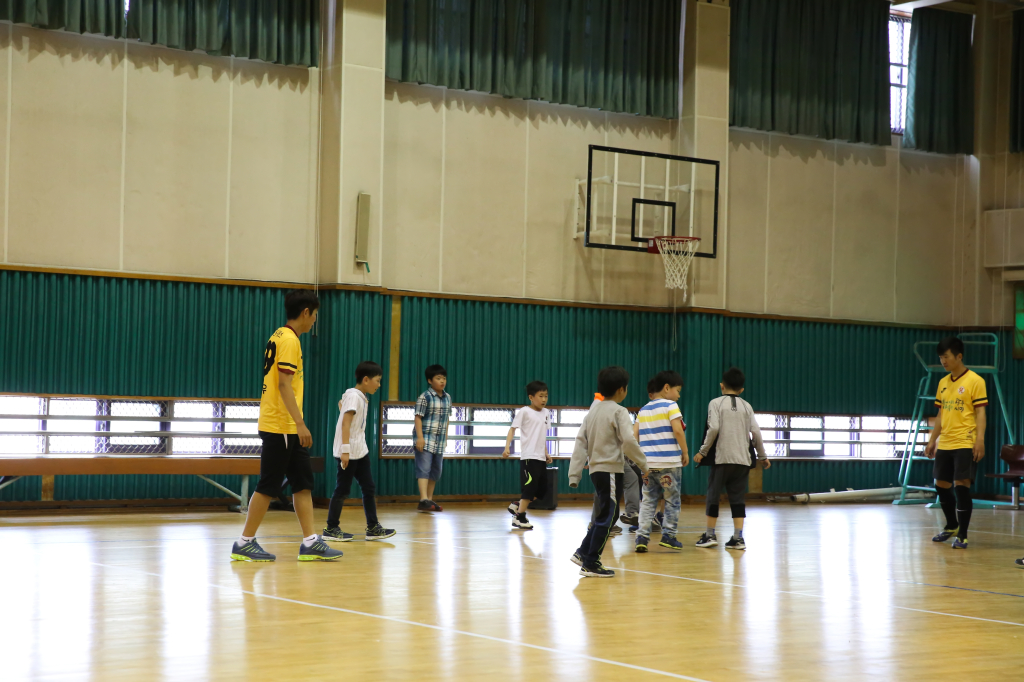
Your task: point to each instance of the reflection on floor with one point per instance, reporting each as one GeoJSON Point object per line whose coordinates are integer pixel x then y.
{"type": "Point", "coordinates": [839, 592]}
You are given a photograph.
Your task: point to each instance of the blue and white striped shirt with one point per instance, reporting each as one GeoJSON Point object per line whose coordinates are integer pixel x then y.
{"type": "Point", "coordinates": [656, 437]}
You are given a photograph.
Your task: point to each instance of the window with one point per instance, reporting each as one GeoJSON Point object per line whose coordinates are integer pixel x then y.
{"type": "Point", "coordinates": [40, 425]}
{"type": "Point", "coordinates": [836, 436]}
{"type": "Point", "coordinates": [477, 430]}
{"type": "Point", "coordinates": [899, 60]}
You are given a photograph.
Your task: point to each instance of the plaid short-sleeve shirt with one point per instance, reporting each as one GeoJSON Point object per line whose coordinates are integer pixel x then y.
{"type": "Point", "coordinates": [434, 411]}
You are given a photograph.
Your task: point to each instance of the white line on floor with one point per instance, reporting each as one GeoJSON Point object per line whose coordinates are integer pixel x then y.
{"type": "Point", "coordinates": [428, 626]}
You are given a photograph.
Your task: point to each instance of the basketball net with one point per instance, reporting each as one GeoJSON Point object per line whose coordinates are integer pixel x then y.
{"type": "Point", "coordinates": [676, 253]}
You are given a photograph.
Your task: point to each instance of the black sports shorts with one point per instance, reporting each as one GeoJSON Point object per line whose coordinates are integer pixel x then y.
{"type": "Point", "coordinates": [533, 477]}
{"type": "Point", "coordinates": [282, 455]}
{"type": "Point", "coordinates": [955, 465]}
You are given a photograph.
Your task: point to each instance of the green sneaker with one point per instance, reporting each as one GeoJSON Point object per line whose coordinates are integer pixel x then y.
{"type": "Point", "coordinates": [336, 535]}
{"type": "Point", "coordinates": [641, 544]}
{"type": "Point", "coordinates": [319, 551]}
{"type": "Point", "coordinates": [250, 551]}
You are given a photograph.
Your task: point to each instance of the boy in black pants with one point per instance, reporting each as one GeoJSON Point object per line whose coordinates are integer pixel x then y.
{"type": "Point", "coordinates": [731, 430]}
{"type": "Point", "coordinates": [353, 456]}
{"type": "Point", "coordinates": [605, 435]}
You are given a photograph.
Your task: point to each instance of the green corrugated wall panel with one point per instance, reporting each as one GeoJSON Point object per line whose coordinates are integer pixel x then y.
{"type": "Point", "coordinates": [817, 477]}
{"type": "Point", "coordinates": [27, 489]}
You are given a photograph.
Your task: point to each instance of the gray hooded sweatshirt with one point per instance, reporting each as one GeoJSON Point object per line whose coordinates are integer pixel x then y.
{"type": "Point", "coordinates": [606, 434]}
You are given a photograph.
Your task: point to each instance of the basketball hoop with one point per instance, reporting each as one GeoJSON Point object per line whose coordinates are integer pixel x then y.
{"type": "Point", "coordinates": [676, 253]}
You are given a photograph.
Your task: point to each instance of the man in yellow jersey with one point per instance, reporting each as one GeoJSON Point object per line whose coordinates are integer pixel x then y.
{"type": "Point", "coordinates": [285, 436]}
{"type": "Point", "coordinates": [957, 442]}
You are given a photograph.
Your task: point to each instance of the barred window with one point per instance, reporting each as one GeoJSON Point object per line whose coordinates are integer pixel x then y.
{"type": "Point", "coordinates": [868, 437]}
{"type": "Point", "coordinates": [899, 61]}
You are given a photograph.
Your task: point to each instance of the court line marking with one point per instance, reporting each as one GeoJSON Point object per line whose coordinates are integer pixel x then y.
{"type": "Point", "coordinates": [747, 587]}
{"type": "Point", "coordinates": [954, 587]}
{"type": "Point", "coordinates": [439, 628]}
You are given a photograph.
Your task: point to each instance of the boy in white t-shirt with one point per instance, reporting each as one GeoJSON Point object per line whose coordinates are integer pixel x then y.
{"type": "Point", "coordinates": [534, 420]}
{"type": "Point", "coordinates": [353, 456]}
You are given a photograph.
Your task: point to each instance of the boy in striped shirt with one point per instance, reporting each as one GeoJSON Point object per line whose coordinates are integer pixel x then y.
{"type": "Point", "coordinates": [660, 430]}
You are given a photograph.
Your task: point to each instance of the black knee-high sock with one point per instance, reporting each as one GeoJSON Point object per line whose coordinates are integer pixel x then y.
{"type": "Point", "coordinates": [964, 507]}
{"type": "Point", "coordinates": [947, 500]}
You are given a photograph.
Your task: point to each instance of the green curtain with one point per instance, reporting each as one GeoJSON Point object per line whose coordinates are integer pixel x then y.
{"type": "Point", "coordinates": [1017, 85]}
{"type": "Point", "coordinates": [275, 31]}
{"type": "Point", "coordinates": [617, 55]}
{"type": "Point", "coordinates": [940, 90]}
{"type": "Point", "coordinates": [105, 17]}
{"type": "Point", "coordinates": [811, 67]}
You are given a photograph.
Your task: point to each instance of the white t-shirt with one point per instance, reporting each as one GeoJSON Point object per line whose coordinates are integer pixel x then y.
{"type": "Point", "coordinates": [354, 401]}
{"type": "Point", "coordinates": [533, 425]}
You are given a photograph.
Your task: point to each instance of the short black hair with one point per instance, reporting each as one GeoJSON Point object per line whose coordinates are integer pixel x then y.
{"type": "Point", "coordinates": [611, 379]}
{"type": "Point", "coordinates": [368, 369]}
{"type": "Point", "coordinates": [297, 300]}
{"type": "Point", "coordinates": [667, 376]}
{"type": "Point", "coordinates": [434, 370]}
{"type": "Point", "coordinates": [733, 378]}
{"type": "Point", "coordinates": [535, 387]}
{"type": "Point", "coordinates": [950, 343]}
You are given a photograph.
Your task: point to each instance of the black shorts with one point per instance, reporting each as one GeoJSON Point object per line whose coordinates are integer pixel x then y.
{"type": "Point", "coordinates": [955, 465]}
{"type": "Point", "coordinates": [282, 455]}
{"type": "Point", "coordinates": [729, 477]}
{"type": "Point", "coordinates": [533, 478]}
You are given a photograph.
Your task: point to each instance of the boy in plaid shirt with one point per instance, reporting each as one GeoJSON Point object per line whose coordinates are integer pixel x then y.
{"type": "Point", "coordinates": [433, 409]}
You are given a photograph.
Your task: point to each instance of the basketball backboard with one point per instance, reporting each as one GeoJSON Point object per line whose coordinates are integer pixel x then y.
{"type": "Point", "coordinates": [631, 196]}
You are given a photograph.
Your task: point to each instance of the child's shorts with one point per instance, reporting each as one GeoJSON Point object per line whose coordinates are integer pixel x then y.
{"type": "Point", "coordinates": [533, 478]}
{"type": "Point", "coordinates": [428, 464]}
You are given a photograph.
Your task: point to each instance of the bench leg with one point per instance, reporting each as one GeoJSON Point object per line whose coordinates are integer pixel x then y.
{"type": "Point", "coordinates": [1015, 496]}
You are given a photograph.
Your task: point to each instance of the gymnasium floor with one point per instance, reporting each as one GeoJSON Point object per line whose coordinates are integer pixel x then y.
{"type": "Point", "coordinates": [841, 592]}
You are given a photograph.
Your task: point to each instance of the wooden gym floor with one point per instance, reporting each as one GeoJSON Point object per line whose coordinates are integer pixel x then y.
{"type": "Point", "coordinates": [843, 592]}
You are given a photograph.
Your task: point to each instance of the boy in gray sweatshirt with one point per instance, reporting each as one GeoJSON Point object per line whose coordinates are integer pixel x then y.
{"type": "Point", "coordinates": [605, 435]}
{"type": "Point", "coordinates": [732, 434]}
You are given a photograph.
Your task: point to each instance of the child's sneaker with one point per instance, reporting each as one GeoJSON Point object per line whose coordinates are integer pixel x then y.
{"type": "Point", "coordinates": [425, 506]}
{"type": "Point", "coordinates": [522, 522]}
{"type": "Point", "coordinates": [1019, 563]}
{"type": "Point", "coordinates": [670, 542]}
{"type": "Point", "coordinates": [630, 519]}
{"type": "Point", "coordinates": [641, 544]}
{"type": "Point", "coordinates": [616, 530]}
{"type": "Point", "coordinates": [318, 551]}
{"type": "Point", "coordinates": [960, 543]}
{"type": "Point", "coordinates": [707, 541]}
{"type": "Point", "coordinates": [633, 529]}
{"type": "Point", "coordinates": [577, 559]}
{"type": "Point", "coordinates": [735, 543]}
{"type": "Point", "coordinates": [513, 509]}
{"type": "Point", "coordinates": [379, 532]}
{"type": "Point", "coordinates": [336, 535]}
{"type": "Point", "coordinates": [250, 551]}
{"type": "Point", "coordinates": [435, 506]}
{"type": "Point", "coordinates": [946, 534]}
{"type": "Point", "coordinates": [597, 571]}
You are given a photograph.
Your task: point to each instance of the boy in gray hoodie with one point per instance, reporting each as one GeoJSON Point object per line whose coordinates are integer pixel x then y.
{"type": "Point", "coordinates": [605, 435]}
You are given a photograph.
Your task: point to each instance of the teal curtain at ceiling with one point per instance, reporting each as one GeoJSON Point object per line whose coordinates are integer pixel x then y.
{"type": "Point", "coordinates": [1017, 85]}
{"type": "Point", "coordinates": [275, 31]}
{"type": "Point", "coordinates": [105, 17]}
{"type": "Point", "coordinates": [940, 90]}
{"type": "Point", "coordinates": [811, 67]}
{"type": "Point", "coordinates": [617, 55]}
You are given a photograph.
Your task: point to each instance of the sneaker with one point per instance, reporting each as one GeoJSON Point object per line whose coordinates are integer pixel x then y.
{"type": "Point", "coordinates": [1019, 563]}
{"type": "Point", "coordinates": [577, 559]}
{"type": "Point", "coordinates": [616, 530]}
{"type": "Point", "coordinates": [633, 529]}
{"type": "Point", "coordinates": [379, 532]}
{"type": "Point", "coordinates": [250, 551]}
{"type": "Point", "coordinates": [425, 506]}
{"type": "Point", "coordinates": [513, 509]}
{"type": "Point", "coordinates": [670, 542]}
{"type": "Point", "coordinates": [336, 535]}
{"type": "Point", "coordinates": [960, 543]}
{"type": "Point", "coordinates": [436, 506]}
{"type": "Point", "coordinates": [735, 543]}
{"type": "Point", "coordinates": [319, 551]}
{"type": "Point", "coordinates": [630, 520]}
{"type": "Point", "coordinates": [641, 544]}
{"type": "Point", "coordinates": [707, 541]}
{"type": "Point", "coordinates": [596, 571]}
{"type": "Point", "coordinates": [656, 524]}
{"type": "Point", "coordinates": [522, 522]}
{"type": "Point", "coordinates": [946, 534]}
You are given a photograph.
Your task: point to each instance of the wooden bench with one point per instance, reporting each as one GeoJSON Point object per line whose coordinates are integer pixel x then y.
{"type": "Point", "coordinates": [11, 469]}
{"type": "Point", "coordinates": [1013, 455]}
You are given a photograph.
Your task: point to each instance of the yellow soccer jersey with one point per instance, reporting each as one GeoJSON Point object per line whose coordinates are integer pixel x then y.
{"type": "Point", "coordinates": [282, 356]}
{"type": "Point", "coordinates": [958, 398]}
